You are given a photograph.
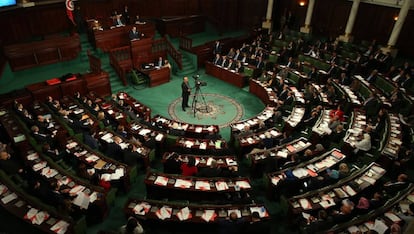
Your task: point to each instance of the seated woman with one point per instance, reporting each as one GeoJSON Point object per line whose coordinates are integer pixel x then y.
{"type": "Point", "coordinates": [189, 169]}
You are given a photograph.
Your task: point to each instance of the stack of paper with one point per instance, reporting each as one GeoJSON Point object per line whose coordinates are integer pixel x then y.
{"type": "Point", "coordinates": [82, 200]}
{"type": "Point", "coordinates": [209, 215]}
{"type": "Point", "coordinates": [203, 145]}
{"type": "Point", "coordinates": [92, 158]}
{"type": "Point", "coordinates": [202, 185]}
{"type": "Point", "coordinates": [60, 227]}
{"type": "Point", "coordinates": [142, 208]}
{"type": "Point", "coordinates": [39, 165]}
{"type": "Point", "coordinates": [305, 204]}
{"type": "Point", "coordinates": [32, 156]}
{"type": "Point", "coordinates": [9, 198]}
{"type": "Point", "coordinates": [161, 180]}
{"type": "Point", "coordinates": [48, 172]}
{"type": "Point", "coordinates": [243, 184]}
{"type": "Point", "coordinates": [180, 183]}
{"type": "Point", "coordinates": [164, 213]}
{"type": "Point", "coordinates": [184, 214]}
{"type": "Point", "coordinates": [221, 185]}
{"type": "Point", "coordinates": [119, 172]}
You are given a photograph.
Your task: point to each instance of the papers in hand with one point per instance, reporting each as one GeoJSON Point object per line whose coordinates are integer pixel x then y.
{"type": "Point", "coordinates": [164, 212]}
{"type": "Point", "coordinates": [184, 214]}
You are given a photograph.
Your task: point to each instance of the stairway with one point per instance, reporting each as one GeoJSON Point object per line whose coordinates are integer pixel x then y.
{"type": "Point", "coordinates": [188, 67]}
{"type": "Point", "coordinates": [116, 84]}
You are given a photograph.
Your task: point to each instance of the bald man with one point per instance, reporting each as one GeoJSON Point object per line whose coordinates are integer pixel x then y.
{"type": "Point", "coordinates": [185, 93]}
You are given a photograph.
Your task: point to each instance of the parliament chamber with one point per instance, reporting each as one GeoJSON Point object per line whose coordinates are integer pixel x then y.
{"type": "Point", "coordinates": [95, 136]}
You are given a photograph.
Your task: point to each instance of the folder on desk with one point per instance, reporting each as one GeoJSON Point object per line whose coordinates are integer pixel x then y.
{"type": "Point", "coordinates": [184, 214]}
{"type": "Point", "coordinates": [82, 200]}
{"type": "Point", "coordinates": [161, 180]}
{"type": "Point", "coordinates": [209, 215]}
{"type": "Point", "coordinates": [60, 227]}
{"type": "Point", "coordinates": [100, 164]}
{"type": "Point", "coordinates": [243, 184]}
{"type": "Point", "coordinates": [221, 185]}
{"type": "Point", "coordinates": [142, 208]}
{"type": "Point", "coordinates": [202, 185]}
{"type": "Point", "coordinates": [9, 198]}
{"type": "Point", "coordinates": [164, 213]}
{"type": "Point", "coordinates": [180, 183]}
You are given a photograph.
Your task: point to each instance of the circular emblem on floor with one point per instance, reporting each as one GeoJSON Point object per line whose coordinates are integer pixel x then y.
{"type": "Point", "coordinates": [207, 109]}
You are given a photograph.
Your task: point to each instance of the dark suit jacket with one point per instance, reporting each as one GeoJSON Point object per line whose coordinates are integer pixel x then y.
{"type": "Point", "coordinates": [113, 150]}
{"type": "Point", "coordinates": [130, 158]}
{"type": "Point", "coordinates": [134, 35]}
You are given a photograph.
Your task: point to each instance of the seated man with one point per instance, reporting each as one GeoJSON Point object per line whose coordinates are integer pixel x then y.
{"type": "Point", "coordinates": [118, 21]}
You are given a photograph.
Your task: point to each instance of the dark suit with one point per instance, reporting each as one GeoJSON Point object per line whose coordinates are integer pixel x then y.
{"type": "Point", "coordinates": [372, 78]}
{"type": "Point", "coordinates": [217, 61]}
{"type": "Point", "coordinates": [185, 93]}
{"type": "Point", "coordinates": [134, 35]}
{"type": "Point", "coordinates": [217, 48]}
{"type": "Point", "coordinates": [113, 150]}
{"type": "Point", "coordinates": [210, 172]}
{"type": "Point", "coordinates": [130, 158]}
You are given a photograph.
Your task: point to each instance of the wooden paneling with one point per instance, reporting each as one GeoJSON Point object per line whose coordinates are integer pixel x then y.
{"type": "Point", "coordinates": [374, 22]}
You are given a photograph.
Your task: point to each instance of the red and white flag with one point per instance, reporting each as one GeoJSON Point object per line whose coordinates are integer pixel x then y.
{"type": "Point", "coordinates": [69, 10]}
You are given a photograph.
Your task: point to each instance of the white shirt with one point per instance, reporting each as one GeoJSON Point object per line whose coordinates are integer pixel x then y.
{"type": "Point", "coordinates": [365, 143]}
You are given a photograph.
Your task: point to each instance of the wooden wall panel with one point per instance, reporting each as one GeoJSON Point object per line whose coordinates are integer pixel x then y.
{"type": "Point", "coordinates": [374, 22]}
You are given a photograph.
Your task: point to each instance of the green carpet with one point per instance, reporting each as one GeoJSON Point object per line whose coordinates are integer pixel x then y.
{"type": "Point", "coordinates": [159, 99]}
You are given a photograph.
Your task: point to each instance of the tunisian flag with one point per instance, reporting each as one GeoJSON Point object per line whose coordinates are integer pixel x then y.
{"type": "Point", "coordinates": [69, 10]}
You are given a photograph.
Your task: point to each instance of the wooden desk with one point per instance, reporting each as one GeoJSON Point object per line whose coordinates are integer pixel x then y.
{"type": "Point", "coordinates": [148, 209]}
{"type": "Point", "coordinates": [37, 53]}
{"type": "Point", "coordinates": [98, 83]}
{"type": "Point", "coordinates": [178, 187]}
{"type": "Point", "coordinates": [185, 129]}
{"type": "Point", "coordinates": [158, 76]}
{"type": "Point", "coordinates": [203, 161]}
{"type": "Point", "coordinates": [179, 26]}
{"type": "Point", "coordinates": [348, 187]}
{"type": "Point", "coordinates": [117, 37]}
{"type": "Point", "coordinates": [21, 205]}
{"type": "Point", "coordinates": [228, 76]}
{"type": "Point", "coordinates": [301, 172]}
